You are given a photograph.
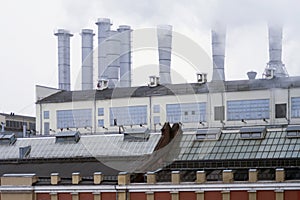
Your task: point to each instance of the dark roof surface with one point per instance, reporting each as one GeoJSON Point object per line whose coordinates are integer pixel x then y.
{"type": "Point", "coordinates": [65, 169]}
{"type": "Point", "coordinates": [17, 116]}
{"type": "Point", "coordinates": [172, 89]}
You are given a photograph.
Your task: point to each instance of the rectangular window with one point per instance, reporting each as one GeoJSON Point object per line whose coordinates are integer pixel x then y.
{"type": "Point", "coordinates": [248, 109]}
{"type": "Point", "coordinates": [295, 107]}
{"type": "Point", "coordinates": [128, 115]}
{"type": "Point", "coordinates": [186, 112]}
{"type": "Point", "coordinates": [46, 128]}
{"type": "Point", "coordinates": [46, 114]}
{"type": "Point", "coordinates": [31, 126]}
{"type": "Point", "coordinates": [156, 109]}
{"type": "Point", "coordinates": [280, 110]}
{"type": "Point", "coordinates": [79, 118]}
{"type": "Point", "coordinates": [100, 111]}
{"type": "Point", "coordinates": [101, 123]}
{"type": "Point", "coordinates": [156, 119]}
{"type": "Point", "coordinates": [219, 113]}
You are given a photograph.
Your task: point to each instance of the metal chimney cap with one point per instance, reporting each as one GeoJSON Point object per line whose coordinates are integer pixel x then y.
{"type": "Point", "coordinates": [87, 31]}
{"type": "Point", "coordinates": [165, 26]}
{"type": "Point", "coordinates": [251, 75]}
{"type": "Point", "coordinates": [103, 21]}
{"type": "Point", "coordinates": [124, 27]}
{"type": "Point", "coordinates": [63, 31]}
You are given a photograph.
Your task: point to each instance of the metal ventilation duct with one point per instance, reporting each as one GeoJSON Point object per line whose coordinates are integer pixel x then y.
{"type": "Point", "coordinates": [104, 25]}
{"type": "Point", "coordinates": [87, 59]}
{"type": "Point", "coordinates": [275, 51]}
{"type": "Point", "coordinates": [218, 34]}
{"type": "Point", "coordinates": [164, 37]}
{"type": "Point", "coordinates": [113, 58]}
{"type": "Point", "coordinates": [64, 80]}
{"type": "Point", "coordinates": [125, 56]}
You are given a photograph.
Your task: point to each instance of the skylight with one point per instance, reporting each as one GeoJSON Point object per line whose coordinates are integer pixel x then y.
{"type": "Point", "coordinates": [257, 132]}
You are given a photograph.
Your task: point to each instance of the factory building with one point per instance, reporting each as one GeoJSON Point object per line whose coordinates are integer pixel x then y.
{"type": "Point", "coordinates": [261, 102]}
{"type": "Point", "coordinates": [11, 122]}
{"type": "Point", "coordinates": [218, 139]}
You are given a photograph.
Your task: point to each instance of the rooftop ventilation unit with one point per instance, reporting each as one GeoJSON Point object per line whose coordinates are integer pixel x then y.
{"type": "Point", "coordinates": [102, 84]}
{"type": "Point", "coordinates": [208, 134]}
{"type": "Point", "coordinates": [293, 131]}
{"type": "Point", "coordinates": [67, 137]}
{"type": "Point", "coordinates": [24, 152]}
{"type": "Point", "coordinates": [251, 75]}
{"type": "Point", "coordinates": [139, 134]}
{"type": "Point", "coordinates": [270, 73]}
{"type": "Point", "coordinates": [7, 139]}
{"type": "Point", "coordinates": [154, 81]}
{"type": "Point", "coordinates": [257, 132]}
{"type": "Point", "coordinates": [201, 78]}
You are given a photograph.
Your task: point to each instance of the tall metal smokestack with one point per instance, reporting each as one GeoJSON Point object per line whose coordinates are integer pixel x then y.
{"type": "Point", "coordinates": [164, 37]}
{"type": "Point", "coordinates": [218, 35]}
{"type": "Point", "coordinates": [104, 25]}
{"type": "Point", "coordinates": [275, 51]}
{"type": "Point", "coordinates": [113, 58]}
{"type": "Point", "coordinates": [87, 59]}
{"type": "Point", "coordinates": [64, 80]}
{"type": "Point", "coordinates": [125, 53]}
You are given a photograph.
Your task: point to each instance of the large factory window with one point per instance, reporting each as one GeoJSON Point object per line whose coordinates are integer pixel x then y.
{"type": "Point", "coordinates": [46, 114]}
{"type": "Point", "coordinates": [248, 109]}
{"type": "Point", "coordinates": [295, 107]}
{"type": "Point", "coordinates": [79, 118]}
{"type": "Point", "coordinates": [128, 115]}
{"type": "Point", "coordinates": [186, 112]}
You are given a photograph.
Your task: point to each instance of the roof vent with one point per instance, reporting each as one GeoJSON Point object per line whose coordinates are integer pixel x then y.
{"type": "Point", "coordinates": [68, 137]}
{"type": "Point", "coordinates": [257, 132]}
{"type": "Point", "coordinates": [102, 84]}
{"type": "Point", "coordinates": [8, 139]}
{"type": "Point", "coordinates": [208, 134]}
{"type": "Point", "coordinates": [24, 152]}
{"type": "Point", "coordinates": [251, 75]}
{"type": "Point", "coordinates": [201, 78]}
{"type": "Point", "coordinates": [293, 131]}
{"type": "Point", "coordinates": [154, 81]}
{"type": "Point", "coordinates": [139, 134]}
{"type": "Point", "coordinates": [269, 73]}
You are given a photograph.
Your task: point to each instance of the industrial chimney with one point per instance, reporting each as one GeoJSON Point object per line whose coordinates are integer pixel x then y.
{"type": "Point", "coordinates": [218, 35]}
{"type": "Point", "coordinates": [125, 56]}
{"type": "Point", "coordinates": [64, 80]}
{"type": "Point", "coordinates": [275, 52]}
{"type": "Point", "coordinates": [112, 58]}
{"type": "Point", "coordinates": [104, 25]}
{"type": "Point", "coordinates": [87, 59]}
{"type": "Point", "coordinates": [164, 37]}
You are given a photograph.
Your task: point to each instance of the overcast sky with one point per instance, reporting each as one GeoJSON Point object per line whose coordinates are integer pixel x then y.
{"type": "Point", "coordinates": [28, 48]}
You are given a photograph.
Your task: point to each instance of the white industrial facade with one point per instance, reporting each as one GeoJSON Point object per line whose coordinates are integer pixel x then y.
{"type": "Point", "coordinates": [239, 104]}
